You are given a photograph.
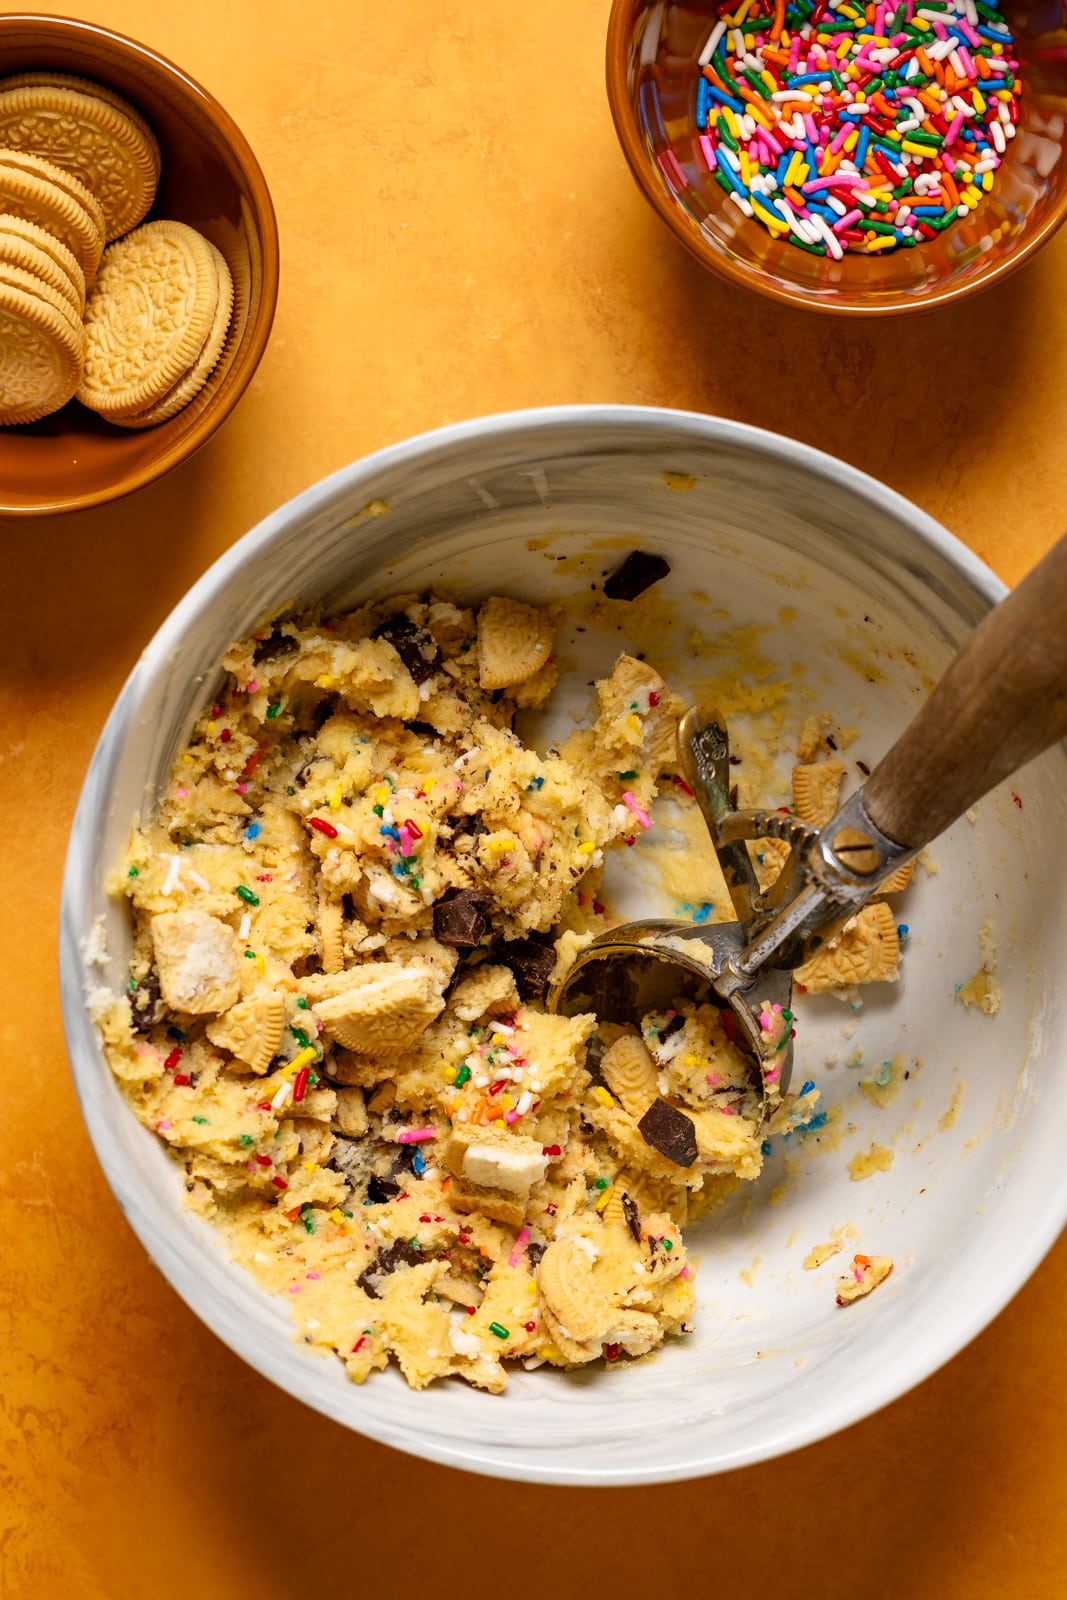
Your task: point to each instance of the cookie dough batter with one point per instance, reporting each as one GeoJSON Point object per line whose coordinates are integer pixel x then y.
{"type": "Point", "coordinates": [347, 909]}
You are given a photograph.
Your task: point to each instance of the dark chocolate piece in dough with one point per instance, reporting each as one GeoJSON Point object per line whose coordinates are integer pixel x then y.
{"type": "Point", "coordinates": [633, 1217]}
{"type": "Point", "coordinates": [146, 1005]}
{"type": "Point", "coordinates": [461, 918]}
{"type": "Point", "coordinates": [416, 648]}
{"type": "Point", "coordinates": [399, 1254]}
{"type": "Point", "coordinates": [532, 965]}
{"type": "Point", "coordinates": [473, 826]}
{"type": "Point", "coordinates": [274, 645]}
{"type": "Point", "coordinates": [670, 1132]}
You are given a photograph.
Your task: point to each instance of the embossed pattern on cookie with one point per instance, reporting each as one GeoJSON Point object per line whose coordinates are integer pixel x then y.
{"type": "Point", "coordinates": [56, 201]}
{"type": "Point", "coordinates": [147, 317]}
{"type": "Point", "coordinates": [514, 642]}
{"type": "Point", "coordinates": [111, 150]}
{"type": "Point", "coordinates": [51, 262]}
{"type": "Point", "coordinates": [40, 357]}
{"type": "Point", "coordinates": [190, 384]}
{"type": "Point", "coordinates": [29, 283]}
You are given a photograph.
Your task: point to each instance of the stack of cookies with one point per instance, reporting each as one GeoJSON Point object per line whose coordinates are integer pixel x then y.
{"type": "Point", "coordinates": [130, 319]}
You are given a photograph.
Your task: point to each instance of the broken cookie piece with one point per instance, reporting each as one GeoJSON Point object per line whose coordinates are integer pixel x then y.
{"type": "Point", "coordinates": [383, 1009]}
{"type": "Point", "coordinates": [196, 961]}
{"type": "Point", "coordinates": [493, 1171]}
{"type": "Point", "coordinates": [514, 642]}
{"type": "Point", "coordinates": [252, 1029]}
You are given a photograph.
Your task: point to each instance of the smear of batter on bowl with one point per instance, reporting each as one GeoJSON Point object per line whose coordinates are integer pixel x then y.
{"type": "Point", "coordinates": [347, 909]}
{"type": "Point", "coordinates": [867, 1162]}
{"type": "Point", "coordinates": [821, 1253]}
{"type": "Point", "coordinates": [982, 990]}
{"type": "Point", "coordinates": [884, 1083]}
{"type": "Point", "coordinates": [950, 1115]}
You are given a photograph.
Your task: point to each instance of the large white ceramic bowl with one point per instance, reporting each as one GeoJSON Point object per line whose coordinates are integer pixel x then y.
{"type": "Point", "coordinates": [878, 596]}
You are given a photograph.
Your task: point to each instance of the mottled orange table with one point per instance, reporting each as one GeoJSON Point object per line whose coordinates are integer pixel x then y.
{"type": "Point", "coordinates": [459, 235]}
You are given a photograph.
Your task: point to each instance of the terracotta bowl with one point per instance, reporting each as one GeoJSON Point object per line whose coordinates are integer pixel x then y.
{"type": "Point", "coordinates": [652, 73]}
{"type": "Point", "coordinates": [211, 180]}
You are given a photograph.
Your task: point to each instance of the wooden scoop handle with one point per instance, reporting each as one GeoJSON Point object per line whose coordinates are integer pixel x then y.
{"type": "Point", "coordinates": [1001, 702]}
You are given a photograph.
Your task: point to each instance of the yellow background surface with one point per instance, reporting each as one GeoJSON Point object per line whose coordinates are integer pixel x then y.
{"type": "Point", "coordinates": [460, 235]}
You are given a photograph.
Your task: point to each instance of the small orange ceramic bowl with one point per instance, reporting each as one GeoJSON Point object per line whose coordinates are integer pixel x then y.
{"type": "Point", "coordinates": [211, 180]}
{"type": "Point", "coordinates": [653, 51]}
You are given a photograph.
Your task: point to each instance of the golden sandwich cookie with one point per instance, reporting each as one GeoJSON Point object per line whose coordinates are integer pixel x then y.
{"type": "Point", "coordinates": [23, 244]}
{"type": "Point", "coordinates": [40, 357]}
{"type": "Point", "coordinates": [87, 131]}
{"type": "Point", "coordinates": [148, 317]}
{"type": "Point", "coordinates": [56, 201]}
{"type": "Point", "coordinates": [190, 385]}
{"type": "Point", "coordinates": [29, 283]}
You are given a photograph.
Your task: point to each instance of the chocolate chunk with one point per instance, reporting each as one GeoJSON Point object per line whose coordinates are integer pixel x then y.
{"type": "Point", "coordinates": [399, 1254]}
{"type": "Point", "coordinates": [461, 918]}
{"type": "Point", "coordinates": [633, 1217]}
{"type": "Point", "coordinates": [416, 648]}
{"type": "Point", "coordinates": [379, 1190]}
{"type": "Point", "coordinates": [534, 1252]}
{"type": "Point", "coordinates": [638, 572]}
{"type": "Point", "coordinates": [274, 645]}
{"type": "Point", "coordinates": [473, 826]}
{"type": "Point", "coordinates": [676, 1022]}
{"type": "Point", "coordinates": [670, 1132]}
{"type": "Point", "coordinates": [146, 1006]}
{"type": "Point", "coordinates": [532, 965]}
{"type": "Point", "coordinates": [305, 771]}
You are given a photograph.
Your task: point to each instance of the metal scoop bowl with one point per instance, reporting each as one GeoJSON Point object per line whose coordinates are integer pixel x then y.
{"type": "Point", "coordinates": [1002, 702]}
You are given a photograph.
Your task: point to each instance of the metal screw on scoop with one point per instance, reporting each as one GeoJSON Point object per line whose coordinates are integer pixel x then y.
{"type": "Point", "coordinates": [1002, 701]}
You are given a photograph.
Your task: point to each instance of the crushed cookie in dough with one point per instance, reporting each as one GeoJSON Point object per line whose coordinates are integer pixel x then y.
{"type": "Point", "coordinates": [348, 907]}
{"type": "Point", "coordinates": [865, 1274]}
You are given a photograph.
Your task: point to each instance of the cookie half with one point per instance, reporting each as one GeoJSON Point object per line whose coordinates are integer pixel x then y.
{"type": "Point", "coordinates": [40, 357]}
{"type": "Point", "coordinates": [41, 253]}
{"type": "Point", "coordinates": [189, 386]}
{"type": "Point", "coordinates": [147, 317]}
{"type": "Point", "coordinates": [111, 150]}
{"type": "Point", "coordinates": [56, 201]}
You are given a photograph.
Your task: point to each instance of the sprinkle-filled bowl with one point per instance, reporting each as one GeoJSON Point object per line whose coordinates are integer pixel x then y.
{"type": "Point", "coordinates": [803, 580]}
{"type": "Point", "coordinates": [211, 180]}
{"type": "Point", "coordinates": [661, 95]}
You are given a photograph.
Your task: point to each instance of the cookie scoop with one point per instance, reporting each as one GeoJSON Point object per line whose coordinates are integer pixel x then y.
{"type": "Point", "coordinates": [1002, 702]}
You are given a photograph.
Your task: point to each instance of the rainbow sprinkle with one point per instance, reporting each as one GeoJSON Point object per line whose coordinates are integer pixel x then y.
{"type": "Point", "coordinates": [847, 126]}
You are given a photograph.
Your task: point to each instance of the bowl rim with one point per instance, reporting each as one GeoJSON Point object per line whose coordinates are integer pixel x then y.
{"type": "Point", "coordinates": [70, 29]}
{"type": "Point", "coordinates": [620, 21]}
{"type": "Point", "coordinates": [142, 1205]}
